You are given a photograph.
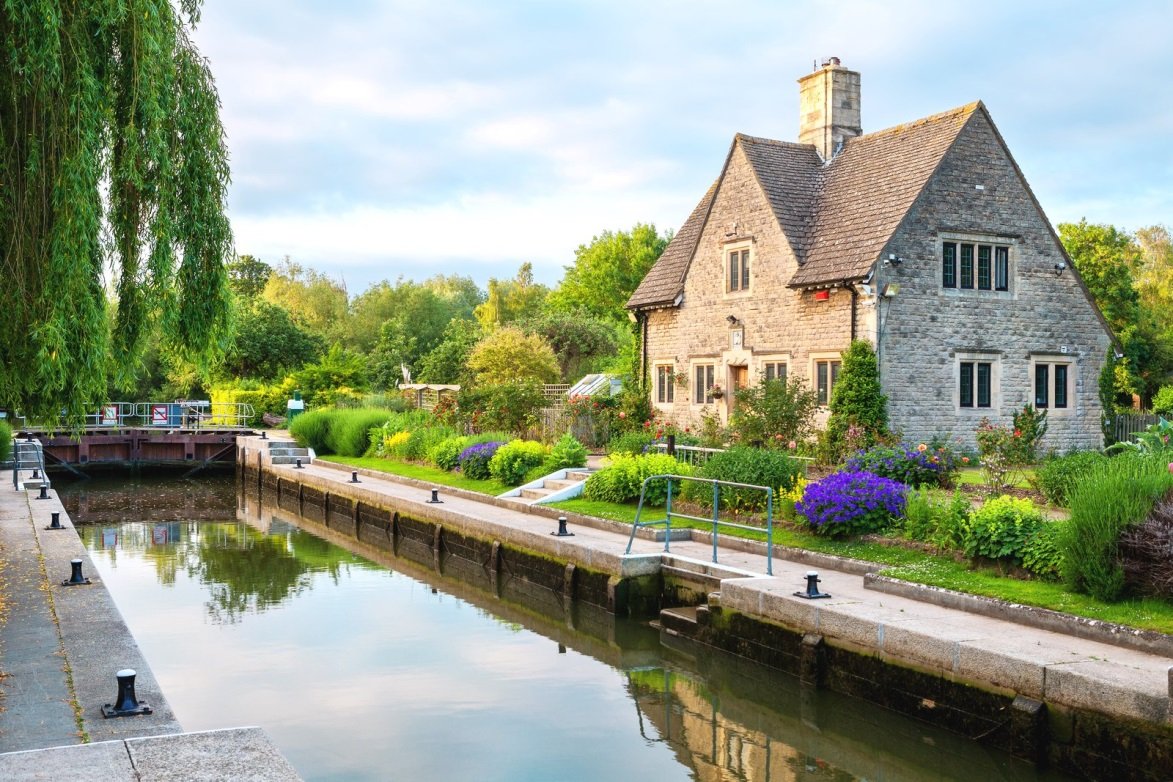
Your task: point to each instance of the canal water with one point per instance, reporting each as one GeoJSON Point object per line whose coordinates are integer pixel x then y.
{"type": "Point", "coordinates": [388, 671]}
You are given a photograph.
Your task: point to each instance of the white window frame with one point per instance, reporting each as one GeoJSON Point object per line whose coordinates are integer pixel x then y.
{"type": "Point", "coordinates": [1051, 361]}
{"type": "Point", "coordinates": [664, 392]}
{"type": "Point", "coordinates": [994, 360]}
{"type": "Point", "coordinates": [832, 374]}
{"type": "Point", "coordinates": [746, 262]}
{"type": "Point", "coordinates": [710, 368]}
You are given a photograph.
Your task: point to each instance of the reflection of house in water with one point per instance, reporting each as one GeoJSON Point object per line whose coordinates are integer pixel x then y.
{"type": "Point", "coordinates": [739, 722]}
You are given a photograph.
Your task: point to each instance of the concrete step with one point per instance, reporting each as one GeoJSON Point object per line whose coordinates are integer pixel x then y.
{"type": "Point", "coordinates": [534, 494]}
{"type": "Point", "coordinates": [578, 475]}
{"type": "Point", "coordinates": [282, 444]}
{"type": "Point", "coordinates": [554, 485]}
{"type": "Point", "coordinates": [305, 460]}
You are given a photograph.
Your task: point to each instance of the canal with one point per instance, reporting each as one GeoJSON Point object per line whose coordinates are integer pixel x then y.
{"type": "Point", "coordinates": [390, 670]}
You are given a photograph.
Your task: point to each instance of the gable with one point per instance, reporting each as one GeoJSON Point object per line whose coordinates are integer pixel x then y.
{"type": "Point", "coordinates": [867, 190]}
{"type": "Point", "coordinates": [664, 282]}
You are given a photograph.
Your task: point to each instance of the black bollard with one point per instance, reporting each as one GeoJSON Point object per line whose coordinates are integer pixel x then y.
{"type": "Point", "coordinates": [264, 436]}
{"type": "Point", "coordinates": [126, 704]}
{"type": "Point", "coordinates": [435, 497]}
{"type": "Point", "coordinates": [812, 587]}
{"type": "Point", "coordinates": [297, 465]}
{"type": "Point", "coordinates": [75, 576]}
{"type": "Point", "coordinates": [44, 495]}
{"type": "Point", "coordinates": [562, 532]}
{"type": "Point", "coordinates": [56, 521]}
{"type": "Point", "coordinates": [354, 477]}
{"type": "Point", "coordinates": [36, 473]}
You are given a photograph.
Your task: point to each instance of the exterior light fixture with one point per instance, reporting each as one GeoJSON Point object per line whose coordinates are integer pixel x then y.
{"type": "Point", "coordinates": [1060, 267]}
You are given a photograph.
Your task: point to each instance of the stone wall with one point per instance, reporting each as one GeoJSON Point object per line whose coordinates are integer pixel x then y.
{"type": "Point", "coordinates": [779, 324]}
{"type": "Point", "coordinates": [1045, 316]}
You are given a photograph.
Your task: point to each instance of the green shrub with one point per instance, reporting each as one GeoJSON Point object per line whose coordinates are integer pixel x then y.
{"type": "Point", "coordinates": [567, 452]}
{"type": "Point", "coordinates": [622, 480]}
{"type": "Point", "coordinates": [635, 441]}
{"type": "Point", "coordinates": [5, 441]}
{"type": "Point", "coordinates": [1115, 495]}
{"type": "Point", "coordinates": [310, 429]}
{"type": "Point", "coordinates": [1043, 554]}
{"type": "Point", "coordinates": [742, 464]}
{"type": "Point", "coordinates": [774, 413]}
{"type": "Point", "coordinates": [1163, 401]}
{"type": "Point", "coordinates": [930, 517]}
{"type": "Point", "coordinates": [348, 431]}
{"type": "Point", "coordinates": [445, 453]}
{"type": "Point", "coordinates": [911, 465]}
{"type": "Point", "coordinates": [515, 459]}
{"type": "Point", "coordinates": [859, 411]}
{"type": "Point", "coordinates": [1055, 477]}
{"type": "Point", "coordinates": [1001, 528]}
{"type": "Point", "coordinates": [512, 407]}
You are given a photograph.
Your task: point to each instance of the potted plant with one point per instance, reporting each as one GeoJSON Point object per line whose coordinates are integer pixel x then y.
{"type": "Point", "coordinates": [717, 392]}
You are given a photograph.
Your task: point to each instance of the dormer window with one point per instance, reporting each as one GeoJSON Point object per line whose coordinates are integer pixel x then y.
{"type": "Point", "coordinates": [975, 266]}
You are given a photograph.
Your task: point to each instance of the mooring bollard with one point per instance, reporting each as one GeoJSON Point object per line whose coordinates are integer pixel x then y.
{"type": "Point", "coordinates": [56, 521]}
{"type": "Point", "coordinates": [435, 497]}
{"type": "Point", "coordinates": [36, 473]}
{"type": "Point", "coordinates": [562, 531]}
{"type": "Point", "coordinates": [126, 704]}
{"type": "Point", "coordinates": [354, 477]}
{"type": "Point", "coordinates": [264, 435]}
{"type": "Point", "coordinates": [812, 586]}
{"type": "Point", "coordinates": [297, 464]}
{"type": "Point", "coordinates": [75, 576]}
{"type": "Point", "coordinates": [44, 495]}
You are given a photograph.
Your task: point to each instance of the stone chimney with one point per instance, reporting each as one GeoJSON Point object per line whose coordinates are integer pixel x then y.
{"type": "Point", "coordinates": [828, 107]}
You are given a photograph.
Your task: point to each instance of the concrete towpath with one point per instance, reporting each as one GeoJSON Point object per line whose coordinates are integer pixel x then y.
{"type": "Point", "coordinates": [921, 626]}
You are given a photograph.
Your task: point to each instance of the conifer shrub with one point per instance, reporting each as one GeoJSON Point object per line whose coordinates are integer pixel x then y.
{"type": "Point", "coordinates": [859, 410]}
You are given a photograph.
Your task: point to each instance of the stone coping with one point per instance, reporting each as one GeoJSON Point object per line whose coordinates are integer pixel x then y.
{"type": "Point", "coordinates": [235, 753]}
{"type": "Point", "coordinates": [1149, 641]}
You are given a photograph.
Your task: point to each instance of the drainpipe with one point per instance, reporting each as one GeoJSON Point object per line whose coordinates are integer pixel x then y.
{"type": "Point", "coordinates": [643, 340]}
{"type": "Point", "coordinates": [854, 306]}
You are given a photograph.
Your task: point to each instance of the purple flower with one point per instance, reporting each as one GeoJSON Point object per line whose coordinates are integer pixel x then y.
{"type": "Point", "coordinates": [474, 460]}
{"type": "Point", "coordinates": [851, 503]}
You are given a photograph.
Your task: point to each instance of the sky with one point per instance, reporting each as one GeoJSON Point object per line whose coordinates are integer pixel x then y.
{"type": "Point", "coordinates": [378, 139]}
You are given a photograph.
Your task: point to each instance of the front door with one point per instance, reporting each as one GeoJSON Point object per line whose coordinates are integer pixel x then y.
{"type": "Point", "coordinates": [738, 378]}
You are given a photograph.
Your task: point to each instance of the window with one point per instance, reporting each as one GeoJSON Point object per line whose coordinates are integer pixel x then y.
{"type": "Point", "coordinates": [738, 270]}
{"type": "Point", "coordinates": [774, 370]}
{"type": "Point", "coordinates": [826, 373]}
{"type": "Point", "coordinates": [975, 266]}
{"type": "Point", "coordinates": [1052, 385]}
{"type": "Point", "coordinates": [974, 387]}
{"type": "Point", "coordinates": [702, 389]}
{"type": "Point", "coordinates": [665, 384]}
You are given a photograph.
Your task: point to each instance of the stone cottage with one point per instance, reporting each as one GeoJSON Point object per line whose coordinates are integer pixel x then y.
{"type": "Point", "coordinates": [924, 239]}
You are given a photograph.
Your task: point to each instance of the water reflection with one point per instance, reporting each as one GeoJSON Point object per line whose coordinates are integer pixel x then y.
{"type": "Point", "coordinates": [244, 570]}
{"type": "Point", "coordinates": [395, 671]}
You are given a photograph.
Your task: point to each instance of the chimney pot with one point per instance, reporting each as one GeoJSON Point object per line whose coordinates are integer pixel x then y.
{"type": "Point", "coordinates": [829, 108]}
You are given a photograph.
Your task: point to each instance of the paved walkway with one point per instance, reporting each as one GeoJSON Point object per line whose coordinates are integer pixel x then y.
{"type": "Point", "coordinates": [1048, 665]}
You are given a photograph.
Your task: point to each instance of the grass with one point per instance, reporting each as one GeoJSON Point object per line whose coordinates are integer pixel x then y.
{"type": "Point", "coordinates": [973, 476]}
{"type": "Point", "coordinates": [421, 472]}
{"type": "Point", "coordinates": [903, 563]}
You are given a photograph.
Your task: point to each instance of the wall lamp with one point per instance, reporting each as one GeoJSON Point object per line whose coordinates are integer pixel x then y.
{"type": "Point", "coordinates": [893, 259]}
{"type": "Point", "coordinates": [732, 319]}
{"type": "Point", "coordinates": [1059, 267]}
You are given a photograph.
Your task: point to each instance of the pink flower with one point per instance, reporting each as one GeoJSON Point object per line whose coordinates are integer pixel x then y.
{"type": "Point", "coordinates": [922, 448]}
{"type": "Point", "coordinates": [622, 415]}
{"type": "Point", "coordinates": [965, 460]}
{"type": "Point", "coordinates": [792, 445]}
{"type": "Point", "coordinates": [1170, 466]}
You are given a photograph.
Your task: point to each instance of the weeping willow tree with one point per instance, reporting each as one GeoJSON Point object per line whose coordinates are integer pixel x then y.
{"type": "Point", "coordinates": [113, 176]}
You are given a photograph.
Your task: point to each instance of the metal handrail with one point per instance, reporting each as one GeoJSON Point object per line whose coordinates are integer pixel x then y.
{"type": "Point", "coordinates": [186, 414]}
{"type": "Point", "coordinates": [715, 520]}
{"type": "Point", "coordinates": [18, 460]}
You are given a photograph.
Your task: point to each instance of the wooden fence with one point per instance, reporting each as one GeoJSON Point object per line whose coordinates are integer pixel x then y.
{"type": "Point", "coordinates": [1124, 426]}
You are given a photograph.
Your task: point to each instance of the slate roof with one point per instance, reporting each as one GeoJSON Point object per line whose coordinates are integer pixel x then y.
{"type": "Point", "coordinates": [837, 216]}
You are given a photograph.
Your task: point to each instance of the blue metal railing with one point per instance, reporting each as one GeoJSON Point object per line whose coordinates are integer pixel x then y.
{"type": "Point", "coordinates": [27, 455]}
{"type": "Point", "coordinates": [715, 520]}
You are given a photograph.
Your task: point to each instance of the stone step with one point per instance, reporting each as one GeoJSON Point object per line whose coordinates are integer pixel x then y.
{"type": "Point", "coordinates": [305, 460]}
{"type": "Point", "coordinates": [554, 484]}
{"type": "Point", "coordinates": [534, 494]}
{"type": "Point", "coordinates": [578, 475]}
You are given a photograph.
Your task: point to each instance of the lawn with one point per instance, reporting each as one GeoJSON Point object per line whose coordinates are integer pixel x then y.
{"type": "Point", "coordinates": [421, 473]}
{"type": "Point", "coordinates": [973, 476]}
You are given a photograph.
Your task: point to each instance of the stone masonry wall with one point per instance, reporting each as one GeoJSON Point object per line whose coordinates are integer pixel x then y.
{"type": "Point", "coordinates": [1045, 316]}
{"type": "Point", "coordinates": [780, 324]}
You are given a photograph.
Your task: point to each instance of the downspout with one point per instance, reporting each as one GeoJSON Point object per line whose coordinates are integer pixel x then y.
{"type": "Point", "coordinates": [643, 365]}
{"type": "Point", "coordinates": [854, 305]}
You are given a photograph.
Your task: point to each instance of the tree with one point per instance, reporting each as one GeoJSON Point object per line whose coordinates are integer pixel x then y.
{"type": "Point", "coordinates": [509, 355]}
{"type": "Point", "coordinates": [578, 339]}
{"type": "Point", "coordinates": [268, 343]}
{"type": "Point", "coordinates": [607, 271]}
{"type": "Point", "coordinates": [248, 276]}
{"type": "Point", "coordinates": [445, 363]}
{"type": "Point", "coordinates": [512, 301]}
{"type": "Point", "coordinates": [112, 156]}
{"type": "Point", "coordinates": [1105, 257]}
{"type": "Point", "coordinates": [313, 300]}
{"type": "Point", "coordinates": [859, 411]}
